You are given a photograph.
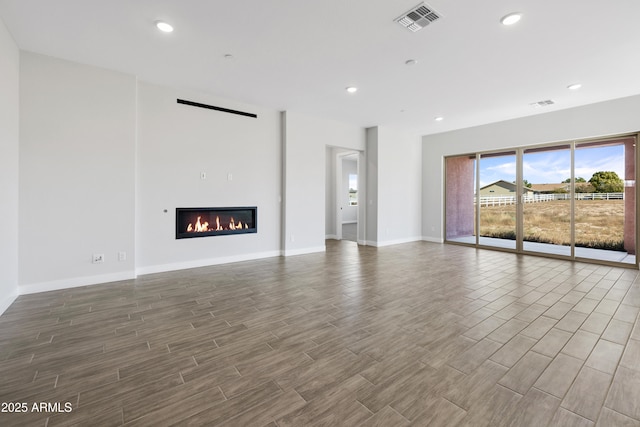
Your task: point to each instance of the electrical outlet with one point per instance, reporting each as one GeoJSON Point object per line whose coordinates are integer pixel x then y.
{"type": "Point", "coordinates": [122, 256]}
{"type": "Point", "coordinates": [98, 258]}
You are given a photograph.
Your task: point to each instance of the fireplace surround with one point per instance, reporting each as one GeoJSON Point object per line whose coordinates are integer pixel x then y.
{"type": "Point", "coordinates": [215, 221]}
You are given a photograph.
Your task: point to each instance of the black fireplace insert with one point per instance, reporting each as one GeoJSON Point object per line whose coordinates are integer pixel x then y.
{"type": "Point", "coordinates": [203, 222]}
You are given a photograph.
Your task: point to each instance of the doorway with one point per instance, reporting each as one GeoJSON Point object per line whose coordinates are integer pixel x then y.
{"type": "Point", "coordinates": [347, 195]}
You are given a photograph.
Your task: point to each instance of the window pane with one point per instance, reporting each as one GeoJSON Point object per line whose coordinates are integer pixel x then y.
{"type": "Point", "coordinates": [546, 200]}
{"type": "Point", "coordinates": [605, 207]}
{"type": "Point", "coordinates": [497, 201]}
{"type": "Point", "coordinates": [353, 190]}
{"type": "Point", "coordinates": [459, 192]}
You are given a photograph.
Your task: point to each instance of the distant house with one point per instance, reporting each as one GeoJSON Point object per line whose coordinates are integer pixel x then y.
{"type": "Point", "coordinates": [563, 187]}
{"type": "Point", "coordinates": [503, 188]}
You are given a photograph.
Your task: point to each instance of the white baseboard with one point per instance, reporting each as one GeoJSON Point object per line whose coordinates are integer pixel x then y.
{"type": "Point", "coordinates": [204, 262]}
{"type": "Point", "coordinates": [394, 242]}
{"type": "Point", "coordinates": [349, 222]}
{"type": "Point", "coordinates": [74, 282]}
{"type": "Point", "coordinates": [303, 251]}
{"type": "Point", "coordinates": [330, 237]}
{"type": "Point", "coordinates": [433, 239]}
{"type": "Point", "coordinates": [6, 301]}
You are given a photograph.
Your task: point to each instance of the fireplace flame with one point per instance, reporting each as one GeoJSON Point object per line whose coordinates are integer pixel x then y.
{"type": "Point", "coordinates": [200, 227]}
{"type": "Point", "coordinates": [204, 226]}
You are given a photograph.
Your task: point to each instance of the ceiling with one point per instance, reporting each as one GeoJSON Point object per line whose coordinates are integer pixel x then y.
{"type": "Point", "coordinates": [301, 55]}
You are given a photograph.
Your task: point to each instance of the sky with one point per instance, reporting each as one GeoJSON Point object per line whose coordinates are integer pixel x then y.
{"type": "Point", "coordinates": [552, 167]}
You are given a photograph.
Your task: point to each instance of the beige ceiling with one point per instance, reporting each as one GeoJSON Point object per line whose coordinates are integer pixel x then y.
{"type": "Point", "coordinates": [300, 55]}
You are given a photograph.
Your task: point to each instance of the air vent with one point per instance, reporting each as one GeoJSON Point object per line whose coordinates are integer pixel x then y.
{"type": "Point", "coordinates": [544, 103]}
{"type": "Point", "coordinates": [418, 17]}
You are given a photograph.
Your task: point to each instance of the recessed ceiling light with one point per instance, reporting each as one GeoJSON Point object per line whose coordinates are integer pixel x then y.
{"type": "Point", "coordinates": [164, 27]}
{"type": "Point", "coordinates": [438, 118]}
{"type": "Point", "coordinates": [228, 56]}
{"type": "Point", "coordinates": [511, 18]}
{"type": "Point", "coordinates": [411, 62]}
{"type": "Point", "coordinates": [352, 89]}
{"type": "Point", "coordinates": [574, 86]}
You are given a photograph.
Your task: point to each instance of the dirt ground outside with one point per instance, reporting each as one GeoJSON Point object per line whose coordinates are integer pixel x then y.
{"type": "Point", "coordinates": [599, 223]}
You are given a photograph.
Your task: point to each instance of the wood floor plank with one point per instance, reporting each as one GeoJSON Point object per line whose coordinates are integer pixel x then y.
{"type": "Point", "coordinates": [559, 375]}
{"type": "Point", "coordinates": [624, 392]}
{"type": "Point", "coordinates": [386, 417]}
{"type": "Point", "coordinates": [523, 374]}
{"type": "Point", "coordinates": [588, 392]}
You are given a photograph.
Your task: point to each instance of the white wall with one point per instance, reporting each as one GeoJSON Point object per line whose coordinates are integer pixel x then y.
{"type": "Point", "coordinates": [330, 228]}
{"type": "Point", "coordinates": [176, 143]}
{"type": "Point", "coordinates": [77, 164]}
{"type": "Point", "coordinates": [394, 186]}
{"type": "Point", "coordinates": [371, 194]}
{"type": "Point", "coordinates": [9, 131]}
{"type": "Point", "coordinates": [595, 120]}
{"type": "Point", "coordinates": [305, 140]}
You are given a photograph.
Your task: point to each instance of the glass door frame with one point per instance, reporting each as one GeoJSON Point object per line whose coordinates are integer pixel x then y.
{"type": "Point", "coordinates": [519, 247]}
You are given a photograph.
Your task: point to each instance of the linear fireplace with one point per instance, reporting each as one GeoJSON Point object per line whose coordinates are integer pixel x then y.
{"type": "Point", "coordinates": [202, 222]}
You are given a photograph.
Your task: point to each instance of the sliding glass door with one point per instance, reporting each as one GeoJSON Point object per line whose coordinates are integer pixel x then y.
{"type": "Point", "coordinates": [460, 207]}
{"type": "Point", "coordinates": [497, 200]}
{"type": "Point", "coordinates": [605, 200]}
{"type": "Point", "coordinates": [546, 200]}
{"type": "Point", "coordinates": [573, 200]}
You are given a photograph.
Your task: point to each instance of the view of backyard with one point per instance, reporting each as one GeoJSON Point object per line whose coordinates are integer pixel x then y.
{"type": "Point", "coordinates": [521, 199]}
{"type": "Point", "coordinates": [599, 223]}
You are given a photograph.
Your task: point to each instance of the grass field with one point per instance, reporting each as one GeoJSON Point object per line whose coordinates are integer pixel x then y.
{"type": "Point", "coordinates": [599, 223]}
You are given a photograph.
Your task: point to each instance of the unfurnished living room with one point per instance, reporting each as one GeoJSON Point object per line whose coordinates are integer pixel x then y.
{"type": "Point", "coordinates": [344, 213]}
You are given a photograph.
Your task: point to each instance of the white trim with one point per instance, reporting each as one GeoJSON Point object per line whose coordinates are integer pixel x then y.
{"type": "Point", "coordinates": [205, 262]}
{"type": "Point", "coordinates": [395, 242]}
{"type": "Point", "coordinates": [74, 282]}
{"type": "Point", "coordinates": [433, 239]}
{"type": "Point", "coordinates": [303, 251]}
{"type": "Point", "coordinates": [355, 221]}
{"type": "Point", "coordinates": [6, 301]}
{"type": "Point", "coordinates": [331, 236]}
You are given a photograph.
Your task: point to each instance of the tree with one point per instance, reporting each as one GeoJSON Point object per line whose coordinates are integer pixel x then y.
{"type": "Point", "coordinates": [607, 182]}
{"type": "Point", "coordinates": [584, 187]}
{"type": "Point", "coordinates": [525, 183]}
{"type": "Point", "coordinates": [578, 179]}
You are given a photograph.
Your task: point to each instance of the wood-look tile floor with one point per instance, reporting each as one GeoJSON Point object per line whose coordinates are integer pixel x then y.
{"type": "Point", "coordinates": [413, 334]}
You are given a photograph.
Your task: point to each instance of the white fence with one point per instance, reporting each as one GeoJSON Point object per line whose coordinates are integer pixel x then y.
{"type": "Point", "coordinates": [537, 198]}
